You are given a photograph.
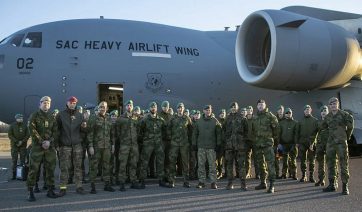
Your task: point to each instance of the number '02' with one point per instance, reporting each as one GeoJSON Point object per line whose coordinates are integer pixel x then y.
{"type": "Point", "coordinates": [25, 63]}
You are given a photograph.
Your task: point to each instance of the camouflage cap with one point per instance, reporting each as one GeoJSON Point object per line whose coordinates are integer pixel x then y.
{"type": "Point", "coordinates": [55, 111]}
{"type": "Point", "coordinates": [280, 107]}
{"type": "Point", "coordinates": [128, 102]}
{"type": "Point", "coordinates": [333, 99]}
{"type": "Point", "coordinates": [186, 110]}
{"type": "Point", "coordinates": [207, 107]}
{"type": "Point", "coordinates": [136, 108]}
{"type": "Point", "coordinates": [179, 105]}
{"type": "Point", "coordinates": [242, 109]}
{"type": "Point", "coordinates": [323, 107]}
{"type": "Point", "coordinates": [192, 112]}
{"type": "Point", "coordinates": [165, 104]}
{"type": "Point", "coordinates": [18, 116]}
{"type": "Point", "coordinates": [306, 106]}
{"type": "Point", "coordinates": [79, 108]}
{"type": "Point", "coordinates": [261, 101]}
{"type": "Point", "coordinates": [45, 98]}
{"type": "Point", "coordinates": [288, 110]}
{"type": "Point", "coordinates": [249, 108]}
{"type": "Point", "coordinates": [86, 111]}
{"type": "Point", "coordinates": [153, 104]}
{"type": "Point", "coordinates": [233, 104]}
{"type": "Point", "coordinates": [222, 111]}
{"type": "Point", "coordinates": [96, 108]}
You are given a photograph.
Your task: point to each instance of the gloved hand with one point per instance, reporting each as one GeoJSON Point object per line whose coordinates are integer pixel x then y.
{"type": "Point", "coordinates": [195, 147]}
{"type": "Point", "coordinates": [217, 148]}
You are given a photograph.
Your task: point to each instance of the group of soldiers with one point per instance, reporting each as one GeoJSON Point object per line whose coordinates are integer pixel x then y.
{"type": "Point", "coordinates": [130, 142]}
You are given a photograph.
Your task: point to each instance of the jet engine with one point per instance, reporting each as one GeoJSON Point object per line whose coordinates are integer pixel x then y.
{"type": "Point", "coordinates": [281, 50]}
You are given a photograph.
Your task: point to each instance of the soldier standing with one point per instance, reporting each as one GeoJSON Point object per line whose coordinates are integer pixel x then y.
{"type": "Point", "coordinates": [43, 130]}
{"type": "Point", "coordinates": [243, 112]}
{"type": "Point", "coordinates": [114, 163]}
{"type": "Point", "coordinates": [235, 130]}
{"type": "Point", "coordinates": [126, 134]}
{"type": "Point", "coordinates": [193, 154]}
{"type": "Point", "coordinates": [86, 116]}
{"type": "Point", "coordinates": [265, 129]}
{"type": "Point", "coordinates": [206, 139]}
{"type": "Point", "coordinates": [306, 125]}
{"type": "Point", "coordinates": [100, 147]}
{"type": "Point", "coordinates": [179, 129]}
{"type": "Point", "coordinates": [249, 147]}
{"type": "Point", "coordinates": [280, 115]}
{"type": "Point", "coordinates": [220, 156]}
{"type": "Point", "coordinates": [340, 124]}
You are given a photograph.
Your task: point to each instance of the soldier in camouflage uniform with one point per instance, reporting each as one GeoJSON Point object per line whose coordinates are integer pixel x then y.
{"type": "Point", "coordinates": [306, 125]}
{"type": "Point", "coordinates": [114, 163]}
{"type": "Point", "coordinates": [179, 130]}
{"type": "Point", "coordinates": [235, 130]}
{"type": "Point", "coordinates": [243, 112]}
{"type": "Point", "coordinates": [126, 134]}
{"type": "Point", "coordinates": [43, 130]}
{"type": "Point", "coordinates": [100, 147]}
{"type": "Point", "coordinates": [83, 135]}
{"type": "Point", "coordinates": [265, 129]}
{"type": "Point", "coordinates": [280, 116]}
{"type": "Point", "coordinates": [249, 146]}
{"type": "Point", "coordinates": [152, 131]}
{"type": "Point", "coordinates": [340, 125]}
{"type": "Point", "coordinates": [195, 116]}
{"type": "Point", "coordinates": [220, 156]}
{"type": "Point", "coordinates": [206, 139]}
{"type": "Point", "coordinates": [287, 140]}
{"type": "Point", "coordinates": [137, 111]}
{"type": "Point", "coordinates": [18, 134]}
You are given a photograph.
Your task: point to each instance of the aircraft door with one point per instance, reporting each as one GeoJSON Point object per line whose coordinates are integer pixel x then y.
{"type": "Point", "coordinates": [112, 94]}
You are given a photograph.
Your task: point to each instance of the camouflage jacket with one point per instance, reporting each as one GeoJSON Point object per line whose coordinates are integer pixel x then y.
{"type": "Point", "coordinates": [206, 132]}
{"type": "Point", "coordinates": [235, 130]}
{"type": "Point", "coordinates": [18, 132]}
{"type": "Point", "coordinates": [166, 117]}
{"type": "Point", "coordinates": [126, 129]}
{"type": "Point", "coordinates": [265, 128]}
{"type": "Point", "coordinates": [288, 132]}
{"type": "Point", "coordinates": [99, 134]}
{"type": "Point", "coordinates": [340, 127]}
{"type": "Point", "coordinates": [179, 129]}
{"type": "Point", "coordinates": [222, 122]}
{"type": "Point", "coordinates": [306, 126]}
{"type": "Point", "coordinates": [320, 133]}
{"type": "Point", "coordinates": [152, 130]}
{"type": "Point", "coordinates": [43, 127]}
{"type": "Point", "coordinates": [250, 135]}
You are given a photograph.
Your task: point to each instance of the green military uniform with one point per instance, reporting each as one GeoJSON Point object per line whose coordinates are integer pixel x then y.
{"type": "Point", "coordinates": [277, 159]}
{"type": "Point", "coordinates": [193, 158]}
{"type": "Point", "coordinates": [166, 141]}
{"type": "Point", "coordinates": [220, 156]}
{"type": "Point", "coordinates": [114, 156]}
{"type": "Point", "coordinates": [250, 149]}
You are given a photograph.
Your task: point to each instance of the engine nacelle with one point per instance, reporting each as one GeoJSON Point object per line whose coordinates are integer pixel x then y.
{"type": "Point", "coordinates": [286, 51]}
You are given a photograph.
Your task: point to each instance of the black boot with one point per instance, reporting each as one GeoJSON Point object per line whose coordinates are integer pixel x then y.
{"type": "Point", "coordinates": [162, 183]}
{"type": "Point", "coordinates": [345, 190]}
{"type": "Point", "coordinates": [243, 185]}
{"type": "Point", "coordinates": [331, 187]}
{"type": "Point", "coordinates": [230, 185]}
{"type": "Point", "coordinates": [304, 177]}
{"type": "Point", "coordinates": [294, 177]}
{"type": "Point", "coordinates": [50, 193]}
{"type": "Point", "coordinates": [31, 197]}
{"type": "Point", "coordinates": [143, 184]}
{"type": "Point", "coordinates": [135, 185]}
{"type": "Point", "coordinates": [93, 189]}
{"type": "Point", "coordinates": [36, 188]}
{"type": "Point", "coordinates": [311, 177]}
{"type": "Point", "coordinates": [14, 178]}
{"type": "Point", "coordinates": [271, 187]}
{"type": "Point", "coordinates": [261, 186]}
{"type": "Point", "coordinates": [320, 183]}
{"type": "Point", "coordinates": [122, 188]}
{"type": "Point", "coordinates": [108, 187]}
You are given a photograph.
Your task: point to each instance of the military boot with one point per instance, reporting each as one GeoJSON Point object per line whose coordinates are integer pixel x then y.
{"type": "Point", "coordinates": [271, 187]}
{"type": "Point", "coordinates": [162, 183]}
{"type": "Point", "coordinates": [108, 187]}
{"type": "Point", "coordinates": [320, 183]}
{"type": "Point", "coordinates": [345, 190]}
{"type": "Point", "coordinates": [284, 176]}
{"type": "Point", "coordinates": [311, 177]}
{"type": "Point", "coordinates": [304, 177]}
{"type": "Point", "coordinates": [14, 178]}
{"type": "Point", "coordinates": [331, 186]}
{"type": "Point", "coordinates": [36, 188]}
{"type": "Point", "coordinates": [294, 177]}
{"type": "Point", "coordinates": [143, 184]}
{"type": "Point", "coordinates": [135, 185]}
{"type": "Point", "coordinates": [50, 193]}
{"type": "Point", "coordinates": [93, 189]}
{"type": "Point", "coordinates": [31, 197]}
{"type": "Point", "coordinates": [62, 192]}
{"type": "Point", "coordinates": [186, 185]}
{"type": "Point", "coordinates": [230, 185]}
{"type": "Point", "coordinates": [261, 186]}
{"type": "Point", "coordinates": [170, 185]}
{"type": "Point", "coordinates": [122, 188]}
{"type": "Point", "coordinates": [213, 186]}
{"type": "Point", "coordinates": [243, 185]}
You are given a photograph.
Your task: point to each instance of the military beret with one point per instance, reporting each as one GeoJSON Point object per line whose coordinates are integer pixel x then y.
{"type": "Point", "coordinates": [96, 108]}
{"type": "Point", "coordinates": [288, 110]}
{"type": "Point", "coordinates": [243, 109]}
{"type": "Point", "coordinates": [86, 111]}
{"type": "Point", "coordinates": [107, 114]}
{"type": "Point", "coordinates": [323, 107]}
{"type": "Point", "coordinates": [72, 99]}
{"type": "Point", "coordinates": [136, 108]}
{"type": "Point", "coordinates": [102, 104]}
{"type": "Point", "coordinates": [186, 110]}
{"type": "Point", "coordinates": [147, 111]}
{"type": "Point", "coordinates": [234, 104]}
{"type": "Point", "coordinates": [79, 108]}
{"type": "Point", "coordinates": [333, 99]}
{"type": "Point", "coordinates": [55, 111]}
{"type": "Point", "coordinates": [207, 107]}
{"type": "Point", "coordinates": [115, 111]}
{"type": "Point", "coordinates": [165, 104]}
{"type": "Point", "coordinates": [261, 101]}
{"type": "Point", "coordinates": [179, 105]}
{"type": "Point", "coordinates": [249, 108]}
{"type": "Point", "coordinates": [306, 106]}
{"type": "Point", "coordinates": [229, 111]}
{"type": "Point", "coordinates": [222, 111]}
{"type": "Point", "coordinates": [197, 112]}
{"type": "Point", "coordinates": [18, 116]}
{"type": "Point", "coordinates": [280, 107]}
{"type": "Point", "coordinates": [153, 104]}
{"type": "Point", "coordinates": [45, 98]}
{"type": "Point", "coordinates": [112, 113]}
{"type": "Point", "coordinates": [142, 112]}
{"type": "Point", "coordinates": [128, 102]}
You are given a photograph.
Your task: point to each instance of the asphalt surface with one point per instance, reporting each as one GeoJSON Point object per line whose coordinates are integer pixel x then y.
{"type": "Point", "coordinates": [289, 195]}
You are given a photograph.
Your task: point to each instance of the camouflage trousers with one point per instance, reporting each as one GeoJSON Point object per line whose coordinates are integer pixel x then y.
{"type": "Point", "coordinates": [250, 151]}
{"type": "Point", "coordinates": [166, 150]}
{"type": "Point", "coordinates": [193, 163]}
{"type": "Point", "coordinates": [147, 150]}
{"type": "Point", "coordinates": [39, 170]}
{"type": "Point", "coordinates": [128, 155]}
{"type": "Point", "coordinates": [321, 159]}
{"type": "Point", "coordinates": [37, 154]}
{"type": "Point", "coordinates": [115, 161]}
{"type": "Point", "coordinates": [85, 150]}
{"type": "Point", "coordinates": [203, 156]}
{"type": "Point", "coordinates": [266, 155]}
{"type": "Point", "coordinates": [341, 150]}
{"type": "Point", "coordinates": [15, 151]}
{"type": "Point", "coordinates": [240, 158]}
{"type": "Point", "coordinates": [289, 159]}
{"type": "Point", "coordinates": [173, 153]}
{"type": "Point", "coordinates": [303, 152]}
{"type": "Point", "coordinates": [220, 158]}
{"type": "Point", "coordinates": [67, 155]}
{"type": "Point", "coordinates": [103, 155]}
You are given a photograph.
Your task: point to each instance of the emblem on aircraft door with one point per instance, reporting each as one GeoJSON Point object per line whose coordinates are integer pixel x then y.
{"type": "Point", "coordinates": [154, 83]}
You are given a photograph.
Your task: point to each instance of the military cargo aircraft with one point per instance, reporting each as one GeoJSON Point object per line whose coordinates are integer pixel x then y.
{"type": "Point", "coordinates": [293, 56]}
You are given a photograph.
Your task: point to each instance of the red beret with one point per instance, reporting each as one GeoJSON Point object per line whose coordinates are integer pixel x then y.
{"type": "Point", "coordinates": [72, 99]}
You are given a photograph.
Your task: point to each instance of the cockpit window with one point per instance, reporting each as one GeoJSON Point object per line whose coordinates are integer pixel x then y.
{"type": "Point", "coordinates": [16, 40]}
{"type": "Point", "coordinates": [33, 40]}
